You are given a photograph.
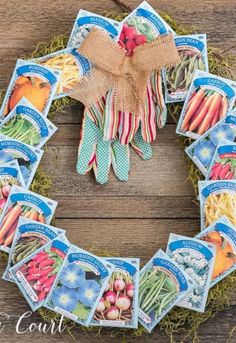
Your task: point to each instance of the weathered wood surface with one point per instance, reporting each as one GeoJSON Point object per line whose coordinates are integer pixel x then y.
{"type": "Point", "coordinates": [131, 218]}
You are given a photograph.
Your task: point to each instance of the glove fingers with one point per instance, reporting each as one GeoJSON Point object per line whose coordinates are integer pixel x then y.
{"type": "Point", "coordinates": [158, 98]}
{"type": "Point", "coordinates": [128, 126]}
{"type": "Point", "coordinates": [96, 112]}
{"type": "Point", "coordinates": [103, 161]}
{"type": "Point", "coordinates": [87, 145]}
{"type": "Point", "coordinates": [142, 148]}
{"type": "Point", "coordinates": [120, 157]}
{"type": "Point", "coordinates": [149, 125]}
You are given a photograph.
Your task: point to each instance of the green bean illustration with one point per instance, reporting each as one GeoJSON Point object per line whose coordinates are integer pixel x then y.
{"type": "Point", "coordinates": [180, 77]}
{"type": "Point", "coordinates": [156, 291]}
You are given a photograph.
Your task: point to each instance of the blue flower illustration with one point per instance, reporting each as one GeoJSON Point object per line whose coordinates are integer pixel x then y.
{"type": "Point", "coordinates": [5, 157]}
{"type": "Point", "coordinates": [88, 292]}
{"type": "Point", "coordinates": [224, 131]}
{"type": "Point", "coordinates": [64, 298]}
{"type": "Point", "coordinates": [72, 276]}
{"type": "Point", "coordinates": [204, 151]}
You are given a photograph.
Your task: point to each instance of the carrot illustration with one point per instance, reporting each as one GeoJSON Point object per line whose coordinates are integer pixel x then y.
{"type": "Point", "coordinates": [10, 234]}
{"type": "Point", "coordinates": [28, 213]}
{"type": "Point", "coordinates": [15, 213]}
{"type": "Point", "coordinates": [216, 116]}
{"type": "Point", "coordinates": [193, 107]}
{"type": "Point", "coordinates": [41, 218]}
{"type": "Point", "coordinates": [202, 113]}
{"type": "Point", "coordinates": [33, 215]}
{"type": "Point", "coordinates": [210, 113]}
{"type": "Point", "coordinates": [224, 107]}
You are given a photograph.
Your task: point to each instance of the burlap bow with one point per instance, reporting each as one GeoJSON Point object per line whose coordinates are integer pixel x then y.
{"type": "Point", "coordinates": [113, 68]}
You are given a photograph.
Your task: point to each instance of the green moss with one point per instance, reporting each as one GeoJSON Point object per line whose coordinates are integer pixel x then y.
{"type": "Point", "coordinates": [179, 321]}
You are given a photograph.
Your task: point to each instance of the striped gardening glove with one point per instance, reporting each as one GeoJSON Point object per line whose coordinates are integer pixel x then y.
{"type": "Point", "coordinates": [98, 155]}
{"type": "Point", "coordinates": [124, 125]}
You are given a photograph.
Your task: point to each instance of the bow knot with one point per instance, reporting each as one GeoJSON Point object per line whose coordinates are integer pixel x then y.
{"type": "Point", "coordinates": [127, 75]}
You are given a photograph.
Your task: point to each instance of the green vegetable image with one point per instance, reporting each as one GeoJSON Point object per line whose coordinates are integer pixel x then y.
{"type": "Point", "coordinates": [21, 129]}
{"type": "Point", "coordinates": [156, 291]}
{"type": "Point", "coordinates": [180, 76]}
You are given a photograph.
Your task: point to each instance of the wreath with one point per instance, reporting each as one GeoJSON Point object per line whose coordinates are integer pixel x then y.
{"type": "Point", "coordinates": [179, 321]}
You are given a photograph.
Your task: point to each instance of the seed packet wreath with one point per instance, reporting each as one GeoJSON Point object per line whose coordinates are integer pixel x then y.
{"type": "Point", "coordinates": [23, 203]}
{"type": "Point", "coordinates": [223, 163]}
{"type": "Point", "coordinates": [36, 83]}
{"type": "Point", "coordinates": [223, 235]}
{"type": "Point", "coordinates": [203, 149]}
{"type": "Point", "coordinates": [10, 175]}
{"type": "Point", "coordinates": [36, 274]}
{"type": "Point", "coordinates": [79, 286]}
{"type": "Point", "coordinates": [29, 237]}
{"type": "Point", "coordinates": [193, 54]}
{"type": "Point", "coordinates": [196, 258]}
{"type": "Point", "coordinates": [72, 66]}
{"type": "Point", "coordinates": [26, 124]}
{"type": "Point", "coordinates": [162, 284]}
{"type": "Point", "coordinates": [27, 156]}
{"type": "Point", "coordinates": [209, 99]}
{"type": "Point", "coordinates": [217, 199]}
{"type": "Point", "coordinates": [85, 21]}
{"type": "Point", "coordinates": [118, 306]}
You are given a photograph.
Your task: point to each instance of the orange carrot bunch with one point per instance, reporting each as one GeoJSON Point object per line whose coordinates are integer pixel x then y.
{"type": "Point", "coordinates": [205, 108]}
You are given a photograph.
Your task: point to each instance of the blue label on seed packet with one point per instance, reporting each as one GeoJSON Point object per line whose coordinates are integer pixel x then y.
{"type": "Point", "coordinates": [34, 68]}
{"type": "Point", "coordinates": [11, 145]}
{"type": "Point", "coordinates": [122, 264]}
{"type": "Point", "coordinates": [33, 199]}
{"type": "Point", "coordinates": [84, 257]}
{"type": "Point", "coordinates": [230, 119]}
{"type": "Point", "coordinates": [191, 244]}
{"type": "Point", "coordinates": [84, 63]}
{"type": "Point", "coordinates": [216, 83]}
{"type": "Point", "coordinates": [169, 266]}
{"type": "Point", "coordinates": [231, 233]}
{"type": "Point", "coordinates": [226, 149]}
{"type": "Point", "coordinates": [190, 42]}
{"type": "Point", "coordinates": [215, 186]}
{"type": "Point", "coordinates": [157, 22]}
{"type": "Point", "coordinates": [4, 171]}
{"type": "Point", "coordinates": [34, 227]}
{"type": "Point", "coordinates": [98, 21]}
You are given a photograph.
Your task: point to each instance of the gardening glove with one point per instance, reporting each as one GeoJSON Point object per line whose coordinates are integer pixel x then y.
{"type": "Point", "coordinates": [97, 154]}
{"type": "Point", "coordinates": [125, 124]}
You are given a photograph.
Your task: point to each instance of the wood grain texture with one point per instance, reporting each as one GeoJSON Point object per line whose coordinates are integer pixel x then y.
{"type": "Point", "coordinates": [132, 218]}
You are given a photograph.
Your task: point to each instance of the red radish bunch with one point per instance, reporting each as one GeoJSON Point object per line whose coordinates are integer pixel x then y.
{"type": "Point", "coordinates": [116, 302]}
{"type": "Point", "coordinates": [39, 273]}
{"type": "Point", "coordinates": [131, 38]}
{"type": "Point", "coordinates": [222, 171]}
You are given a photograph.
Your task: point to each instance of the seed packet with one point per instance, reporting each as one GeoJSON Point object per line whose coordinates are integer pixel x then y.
{"type": "Point", "coordinates": [196, 258]}
{"type": "Point", "coordinates": [223, 163]}
{"type": "Point", "coordinates": [27, 156]}
{"type": "Point", "coordinates": [36, 274]}
{"type": "Point", "coordinates": [162, 284]}
{"type": "Point", "coordinates": [79, 286]}
{"type": "Point", "coordinates": [37, 83]}
{"type": "Point", "coordinates": [72, 66]}
{"type": "Point", "coordinates": [217, 199]}
{"type": "Point", "coordinates": [29, 237]}
{"type": "Point", "coordinates": [118, 306]}
{"type": "Point", "coordinates": [223, 235]}
{"type": "Point", "coordinates": [203, 149]}
{"type": "Point", "coordinates": [85, 21]}
{"type": "Point", "coordinates": [193, 54]}
{"type": "Point", "coordinates": [209, 99]}
{"type": "Point", "coordinates": [26, 124]}
{"type": "Point", "coordinates": [143, 25]}
{"type": "Point", "coordinates": [22, 202]}
{"type": "Point", "coordinates": [10, 175]}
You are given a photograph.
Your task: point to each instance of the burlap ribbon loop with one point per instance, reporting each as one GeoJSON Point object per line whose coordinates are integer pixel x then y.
{"type": "Point", "coordinates": [127, 75]}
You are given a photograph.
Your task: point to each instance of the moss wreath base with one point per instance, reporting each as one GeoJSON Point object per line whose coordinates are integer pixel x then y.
{"type": "Point", "coordinates": [179, 322]}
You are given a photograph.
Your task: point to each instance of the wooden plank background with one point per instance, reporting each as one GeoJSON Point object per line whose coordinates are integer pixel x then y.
{"type": "Point", "coordinates": [132, 218]}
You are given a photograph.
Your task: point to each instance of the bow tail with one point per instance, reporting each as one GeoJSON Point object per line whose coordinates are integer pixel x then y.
{"type": "Point", "coordinates": [92, 87]}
